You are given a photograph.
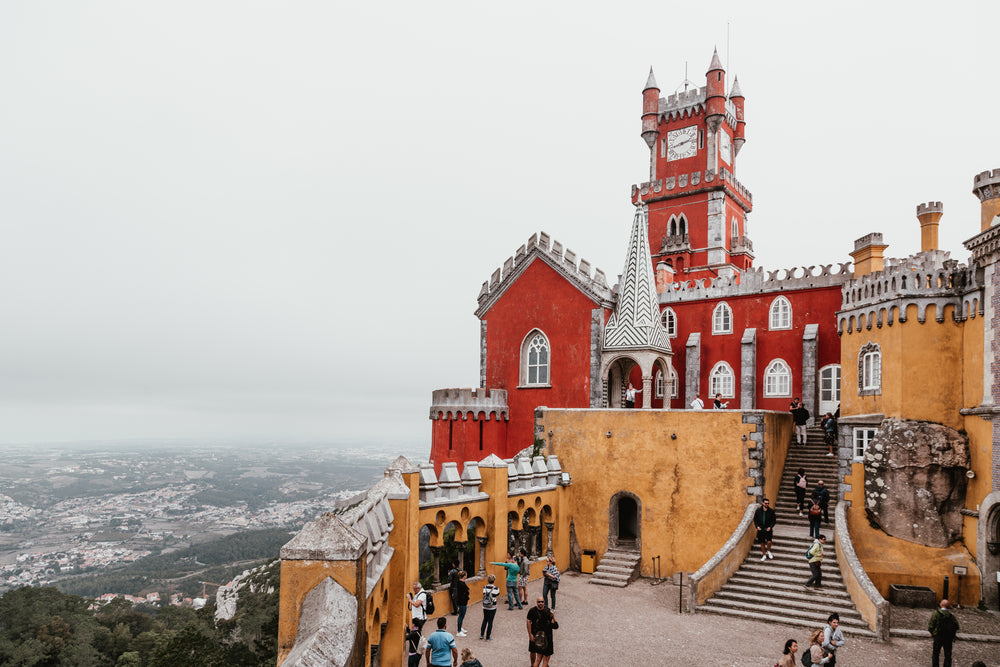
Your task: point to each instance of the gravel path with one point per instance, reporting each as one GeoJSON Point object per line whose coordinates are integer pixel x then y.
{"type": "Point", "coordinates": [640, 625]}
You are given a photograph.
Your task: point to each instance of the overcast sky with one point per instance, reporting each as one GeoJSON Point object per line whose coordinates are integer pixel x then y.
{"type": "Point", "coordinates": [227, 221]}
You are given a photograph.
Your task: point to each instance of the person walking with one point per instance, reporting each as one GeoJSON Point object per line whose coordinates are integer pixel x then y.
{"type": "Point", "coordinates": [697, 403]}
{"type": "Point", "coordinates": [541, 622]}
{"type": "Point", "coordinates": [763, 520]}
{"type": "Point", "coordinates": [943, 627]}
{"type": "Point", "coordinates": [833, 638]}
{"type": "Point", "coordinates": [522, 577]}
{"type": "Point", "coordinates": [787, 658]}
{"type": "Point", "coordinates": [551, 581]}
{"type": "Point", "coordinates": [830, 432]}
{"type": "Point", "coordinates": [462, 600]}
{"type": "Point", "coordinates": [801, 483]}
{"type": "Point", "coordinates": [511, 582]}
{"type": "Point", "coordinates": [468, 659]}
{"type": "Point", "coordinates": [418, 602]}
{"type": "Point", "coordinates": [413, 641]}
{"type": "Point", "coordinates": [801, 417]}
{"type": "Point", "coordinates": [453, 586]}
{"type": "Point", "coordinates": [815, 515]}
{"type": "Point", "coordinates": [441, 649]}
{"type": "Point", "coordinates": [718, 404]}
{"type": "Point", "coordinates": [817, 656]}
{"type": "Point", "coordinates": [815, 555]}
{"type": "Point", "coordinates": [490, 595]}
{"type": "Point", "coordinates": [823, 494]}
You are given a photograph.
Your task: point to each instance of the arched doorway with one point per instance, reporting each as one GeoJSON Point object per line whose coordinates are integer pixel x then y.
{"type": "Point", "coordinates": [625, 529]}
{"type": "Point", "coordinates": [988, 548]}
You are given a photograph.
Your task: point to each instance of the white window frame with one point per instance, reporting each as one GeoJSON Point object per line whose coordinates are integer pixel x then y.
{"type": "Point", "coordinates": [780, 314]}
{"type": "Point", "coordinates": [778, 381]}
{"type": "Point", "coordinates": [722, 380]}
{"type": "Point", "coordinates": [668, 318]}
{"type": "Point", "coordinates": [735, 228]}
{"type": "Point", "coordinates": [536, 339]}
{"type": "Point", "coordinates": [860, 439]}
{"type": "Point", "coordinates": [658, 385]}
{"type": "Point", "coordinates": [869, 370]}
{"type": "Point", "coordinates": [722, 319]}
{"type": "Point", "coordinates": [674, 383]}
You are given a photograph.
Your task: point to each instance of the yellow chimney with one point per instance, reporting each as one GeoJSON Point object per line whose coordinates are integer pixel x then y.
{"type": "Point", "coordinates": [868, 254]}
{"type": "Point", "coordinates": [929, 214]}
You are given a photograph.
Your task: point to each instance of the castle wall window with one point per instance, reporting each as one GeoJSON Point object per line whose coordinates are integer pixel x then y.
{"type": "Point", "coordinates": [669, 319]}
{"type": "Point", "coordinates": [722, 381]}
{"type": "Point", "coordinates": [778, 379]}
{"type": "Point", "coordinates": [735, 229]}
{"type": "Point", "coordinates": [535, 360]}
{"type": "Point", "coordinates": [781, 313]}
{"type": "Point", "coordinates": [722, 319]}
{"type": "Point", "coordinates": [862, 436]}
{"type": "Point", "coordinates": [870, 370]}
{"type": "Point", "coordinates": [674, 389]}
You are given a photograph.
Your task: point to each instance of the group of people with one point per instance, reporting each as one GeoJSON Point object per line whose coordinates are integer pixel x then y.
{"type": "Point", "coordinates": [718, 404]}
{"type": "Point", "coordinates": [764, 520]}
{"type": "Point", "coordinates": [440, 648]}
{"type": "Point", "coordinates": [822, 649]}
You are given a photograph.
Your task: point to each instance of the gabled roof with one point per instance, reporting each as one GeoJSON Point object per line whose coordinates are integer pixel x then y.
{"type": "Point", "coordinates": [636, 320]}
{"type": "Point", "coordinates": [595, 286]}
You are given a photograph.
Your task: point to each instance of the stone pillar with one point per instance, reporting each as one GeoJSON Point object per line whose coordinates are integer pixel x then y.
{"type": "Point", "coordinates": [810, 351]}
{"type": "Point", "coordinates": [748, 369]}
{"type": "Point", "coordinates": [482, 555]}
{"type": "Point", "coordinates": [647, 391]}
{"type": "Point", "coordinates": [436, 571]}
{"type": "Point", "coordinates": [549, 526]}
{"type": "Point", "coordinates": [597, 389]}
{"type": "Point", "coordinates": [482, 353]}
{"type": "Point", "coordinates": [692, 369]}
{"type": "Point", "coordinates": [461, 554]}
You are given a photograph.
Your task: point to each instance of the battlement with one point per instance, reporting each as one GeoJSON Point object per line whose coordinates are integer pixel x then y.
{"type": "Point", "coordinates": [875, 238]}
{"type": "Point", "coordinates": [757, 281]}
{"type": "Point", "coordinates": [930, 207]}
{"type": "Point", "coordinates": [524, 475]}
{"type": "Point", "coordinates": [986, 185]}
{"type": "Point", "coordinates": [459, 403]}
{"type": "Point", "coordinates": [683, 103]}
{"type": "Point", "coordinates": [692, 181]}
{"type": "Point", "coordinates": [563, 261]}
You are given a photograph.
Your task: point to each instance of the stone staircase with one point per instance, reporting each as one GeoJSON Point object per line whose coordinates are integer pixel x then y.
{"type": "Point", "coordinates": [617, 568]}
{"type": "Point", "coordinates": [773, 590]}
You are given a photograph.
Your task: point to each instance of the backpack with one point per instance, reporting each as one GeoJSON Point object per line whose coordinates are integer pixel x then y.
{"type": "Point", "coordinates": [428, 604]}
{"type": "Point", "coordinates": [947, 625]}
{"type": "Point", "coordinates": [815, 510]}
{"type": "Point", "coordinates": [807, 657]}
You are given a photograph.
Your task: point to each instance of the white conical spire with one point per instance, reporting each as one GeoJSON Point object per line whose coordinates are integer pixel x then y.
{"type": "Point", "coordinates": [636, 320]}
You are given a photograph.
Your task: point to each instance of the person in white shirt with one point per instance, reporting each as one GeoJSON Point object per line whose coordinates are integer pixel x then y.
{"type": "Point", "coordinates": [697, 403]}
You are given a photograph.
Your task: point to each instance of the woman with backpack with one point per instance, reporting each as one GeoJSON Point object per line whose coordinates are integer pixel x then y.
{"type": "Point", "coordinates": [815, 655]}
{"type": "Point", "coordinates": [815, 515]}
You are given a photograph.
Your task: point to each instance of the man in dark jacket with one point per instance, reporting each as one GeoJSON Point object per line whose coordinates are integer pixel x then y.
{"type": "Point", "coordinates": [763, 520]}
{"type": "Point", "coordinates": [943, 628]}
{"type": "Point", "coordinates": [801, 417]}
{"type": "Point", "coordinates": [823, 495]}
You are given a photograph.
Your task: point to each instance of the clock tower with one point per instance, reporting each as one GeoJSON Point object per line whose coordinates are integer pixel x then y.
{"type": "Point", "coordinates": [697, 209]}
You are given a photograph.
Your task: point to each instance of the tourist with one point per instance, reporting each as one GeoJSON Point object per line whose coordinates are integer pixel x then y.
{"type": "Point", "coordinates": [817, 656]}
{"type": "Point", "coordinates": [763, 520]}
{"type": "Point", "coordinates": [830, 432]}
{"type": "Point", "coordinates": [815, 554]}
{"type": "Point", "coordinates": [469, 660]}
{"type": "Point", "coordinates": [943, 627]}
{"type": "Point", "coordinates": [697, 403]}
{"type": "Point", "coordinates": [630, 395]}
{"type": "Point", "coordinates": [453, 586]}
{"type": "Point", "coordinates": [551, 581]}
{"type": "Point", "coordinates": [413, 642]}
{"type": "Point", "coordinates": [833, 638]}
{"type": "Point", "coordinates": [787, 658]}
{"type": "Point", "coordinates": [462, 600]}
{"type": "Point", "coordinates": [823, 494]}
{"type": "Point", "coordinates": [511, 582]}
{"type": "Point", "coordinates": [522, 576]}
{"type": "Point", "coordinates": [541, 622]}
{"type": "Point", "coordinates": [440, 644]}
{"type": "Point", "coordinates": [490, 595]}
{"type": "Point", "coordinates": [815, 515]}
{"type": "Point", "coordinates": [417, 600]}
{"type": "Point", "coordinates": [719, 405]}
{"type": "Point", "coordinates": [801, 484]}
{"type": "Point", "coordinates": [801, 417]}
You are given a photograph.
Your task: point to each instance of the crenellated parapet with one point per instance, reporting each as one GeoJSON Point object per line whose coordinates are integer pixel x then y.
{"type": "Point", "coordinates": [694, 182]}
{"type": "Point", "coordinates": [986, 185]}
{"type": "Point", "coordinates": [564, 261]}
{"type": "Point", "coordinates": [757, 281]}
{"type": "Point", "coordinates": [925, 279]}
{"type": "Point", "coordinates": [466, 403]}
{"type": "Point", "coordinates": [688, 103]}
{"type": "Point", "coordinates": [524, 475]}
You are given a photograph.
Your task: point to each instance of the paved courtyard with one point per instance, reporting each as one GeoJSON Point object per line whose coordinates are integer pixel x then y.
{"type": "Point", "coordinates": [641, 625]}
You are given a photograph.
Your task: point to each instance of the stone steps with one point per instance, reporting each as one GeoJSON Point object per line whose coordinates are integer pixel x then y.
{"type": "Point", "coordinates": [617, 568]}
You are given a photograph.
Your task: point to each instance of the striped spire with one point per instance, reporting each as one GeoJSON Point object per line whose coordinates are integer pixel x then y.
{"type": "Point", "coordinates": [635, 324]}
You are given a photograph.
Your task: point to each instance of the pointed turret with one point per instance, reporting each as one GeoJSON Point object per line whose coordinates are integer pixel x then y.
{"type": "Point", "coordinates": [650, 109]}
{"type": "Point", "coordinates": [715, 93]}
{"type": "Point", "coordinates": [739, 134]}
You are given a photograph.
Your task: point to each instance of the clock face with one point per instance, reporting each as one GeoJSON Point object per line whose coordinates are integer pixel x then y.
{"type": "Point", "coordinates": [725, 147]}
{"type": "Point", "coordinates": [682, 143]}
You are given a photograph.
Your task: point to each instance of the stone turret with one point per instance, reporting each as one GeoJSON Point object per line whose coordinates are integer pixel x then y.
{"type": "Point", "coordinates": [986, 186]}
{"type": "Point", "coordinates": [929, 214]}
{"type": "Point", "coordinates": [715, 93]}
{"type": "Point", "coordinates": [736, 96]}
{"type": "Point", "coordinates": [868, 253]}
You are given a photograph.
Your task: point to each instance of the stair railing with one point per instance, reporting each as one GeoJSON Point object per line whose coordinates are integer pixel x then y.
{"type": "Point", "coordinates": [711, 576]}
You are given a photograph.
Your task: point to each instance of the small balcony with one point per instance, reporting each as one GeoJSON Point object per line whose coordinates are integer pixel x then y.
{"type": "Point", "coordinates": [740, 244]}
{"type": "Point", "coordinates": [675, 242]}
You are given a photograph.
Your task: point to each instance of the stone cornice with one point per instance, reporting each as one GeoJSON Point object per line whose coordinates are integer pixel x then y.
{"type": "Point", "coordinates": [985, 246]}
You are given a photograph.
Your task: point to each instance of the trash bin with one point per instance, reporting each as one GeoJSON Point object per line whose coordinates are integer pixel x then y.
{"type": "Point", "coordinates": [588, 561]}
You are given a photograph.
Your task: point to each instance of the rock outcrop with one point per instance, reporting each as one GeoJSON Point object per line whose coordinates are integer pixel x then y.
{"type": "Point", "coordinates": [915, 481]}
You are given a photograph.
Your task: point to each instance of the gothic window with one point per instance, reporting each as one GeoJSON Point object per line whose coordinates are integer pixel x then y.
{"type": "Point", "coordinates": [781, 313]}
{"type": "Point", "coordinates": [672, 226]}
{"type": "Point", "coordinates": [722, 381]}
{"type": "Point", "coordinates": [669, 320]}
{"type": "Point", "coordinates": [869, 370]}
{"type": "Point", "coordinates": [682, 224]}
{"type": "Point", "coordinates": [722, 319]}
{"type": "Point", "coordinates": [778, 379]}
{"type": "Point", "coordinates": [735, 233]}
{"type": "Point", "coordinates": [535, 360]}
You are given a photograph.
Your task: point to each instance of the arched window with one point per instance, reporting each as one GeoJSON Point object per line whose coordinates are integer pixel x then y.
{"type": "Point", "coordinates": [781, 313]}
{"type": "Point", "coordinates": [722, 319]}
{"type": "Point", "coordinates": [778, 379]}
{"type": "Point", "coordinates": [674, 391]}
{"type": "Point", "coordinates": [682, 224]}
{"type": "Point", "coordinates": [735, 232]}
{"type": "Point", "coordinates": [722, 381]}
{"type": "Point", "coordinates": [672, 226]}
{"type": "Point", "coordinates": [535, 360]}
{"type": "Point", "coordinates": [669, 320]}
{"type": "Point", "coordinates": [869, 370]}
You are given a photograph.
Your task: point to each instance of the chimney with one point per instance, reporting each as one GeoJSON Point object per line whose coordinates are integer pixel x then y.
{"type": "Point", "coordinates": [868, 254]}
{"type": "Point", "coordinates": [986, 186]}
{"type": "Point", "coordinates": [664, 277]}
{"type": "Point", "coordinates": [929, 214]}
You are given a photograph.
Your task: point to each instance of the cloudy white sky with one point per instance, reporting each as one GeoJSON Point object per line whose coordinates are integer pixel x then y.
{"type": "Point", "coordinates": [227, 221]}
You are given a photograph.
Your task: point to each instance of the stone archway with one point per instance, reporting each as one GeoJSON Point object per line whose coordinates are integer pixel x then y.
{"type": "Point", "coordinates": [988, 548]}
{"type": "Point", "coordinates": [625, 521]}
